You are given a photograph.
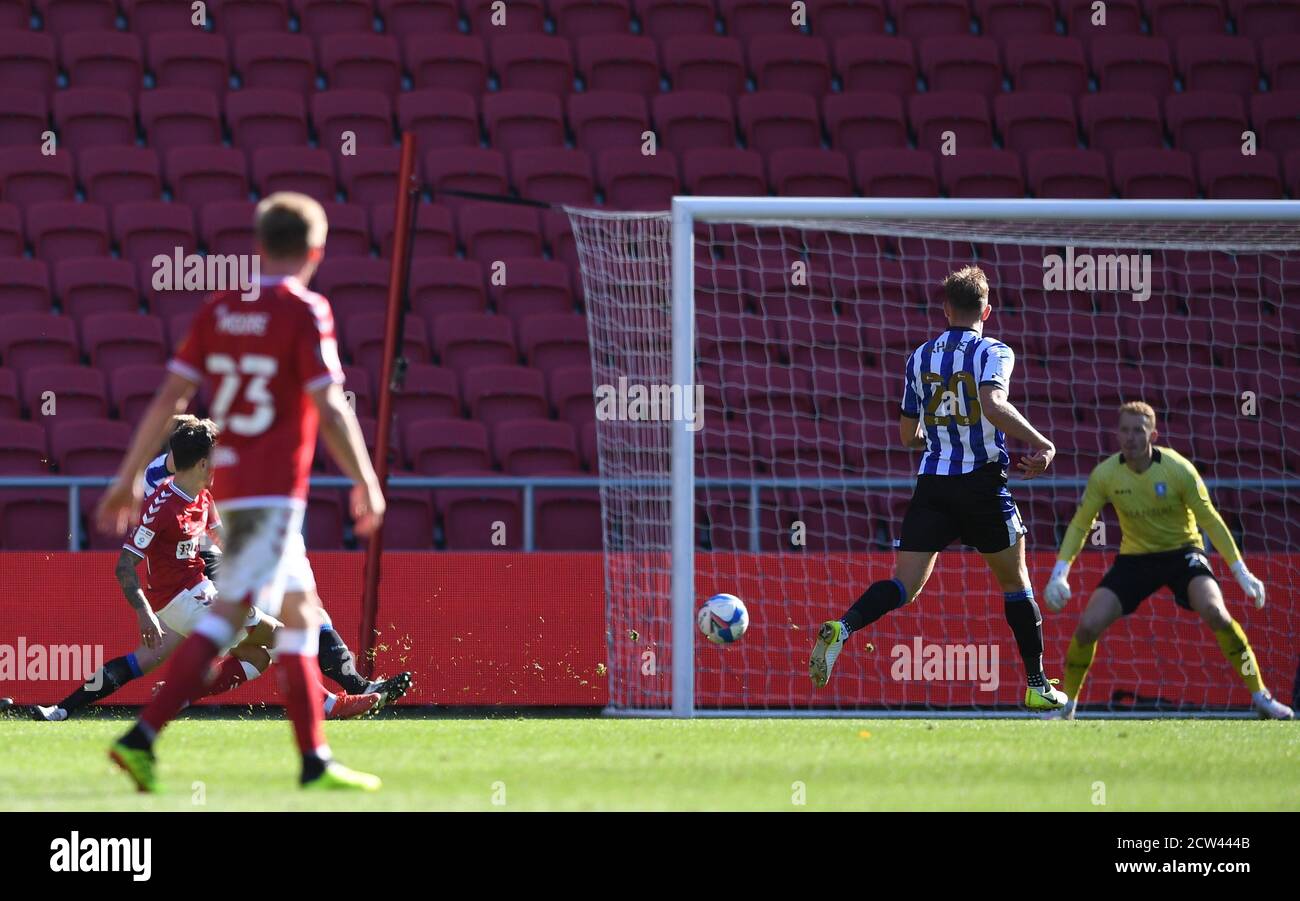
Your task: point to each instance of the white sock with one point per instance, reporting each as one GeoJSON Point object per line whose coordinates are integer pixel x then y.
{"type": "Point", "coordinates": [330, 700]}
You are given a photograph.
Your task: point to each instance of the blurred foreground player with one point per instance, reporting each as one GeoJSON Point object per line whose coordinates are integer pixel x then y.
{"type": "Point", "coordinates": [955, 409]}
{"type": "Point", "coordinates": [337, 661]}
{"type": "Point", "coordinates": [177, 517]}
{"type": "Point", "coordinates": [1160, 500]}
{"type": "Point", "coordinates": [272, 363]}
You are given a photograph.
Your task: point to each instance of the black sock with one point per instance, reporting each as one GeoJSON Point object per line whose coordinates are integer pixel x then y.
{"type": "Point", "coordinates": [312, 767]}
{"type": "Point", "coordinates": [1026, 622]}
{"type": "Point", "coordinates": [112, 676]}
{"type": "Point", "coordinates": [138, 739]}
{"type": "Point", "coordinates": [337, 662]}
{"type": "Point", "coordinates": [876, 601]}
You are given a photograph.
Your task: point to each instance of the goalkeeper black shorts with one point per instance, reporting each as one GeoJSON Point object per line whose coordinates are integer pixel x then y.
{"type": "Point", "coordinates": [975, 507]}
{"type": "Point", "coordinates": [1135, 577]}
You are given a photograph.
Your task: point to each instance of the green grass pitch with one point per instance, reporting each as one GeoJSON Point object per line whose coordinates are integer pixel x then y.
{"type": "Point", "coordinates": [526, 764]}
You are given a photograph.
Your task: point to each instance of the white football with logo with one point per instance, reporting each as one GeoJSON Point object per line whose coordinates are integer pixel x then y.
{"type": "Point", "coordinates": [723, 618]}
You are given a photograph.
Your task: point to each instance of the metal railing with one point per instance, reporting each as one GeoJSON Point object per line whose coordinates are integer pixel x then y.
{"type": "Point", "coordinates": [531, 484]}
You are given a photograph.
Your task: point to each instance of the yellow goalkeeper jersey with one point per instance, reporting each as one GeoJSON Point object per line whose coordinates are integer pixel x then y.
{"type": "Point", "coordinates": [1159, 510]}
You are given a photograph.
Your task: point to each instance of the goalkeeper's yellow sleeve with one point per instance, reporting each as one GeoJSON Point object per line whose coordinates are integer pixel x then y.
{"type": "Point", "coordinates": [1094, 498]}
{"type": "Point", "coordinates": [1197, 499]}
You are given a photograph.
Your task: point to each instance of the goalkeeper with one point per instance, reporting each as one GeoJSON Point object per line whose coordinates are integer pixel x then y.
{"type": "Point", "coordinates": [1160, 500]}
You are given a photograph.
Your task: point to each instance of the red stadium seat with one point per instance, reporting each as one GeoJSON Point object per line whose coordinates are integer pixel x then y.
{"type": "Point", "coordinates": [1258, 19]}
{"type": "Point", "coordinates": [465, 341]}
{"type": "Point", "coordinates": [1150, 173]}
{"type": "Point", "coordinates": [116, 175]}
{"type": "Point", "coordinates": [433, 232]}
{"type": "Point", "coordinates": [87, 445]}
{"type": "Point", "coordinates": [28, 340]}
{"type": "Point", "coordinates": [363, 62]}
{"type": "Point", "coordinates": [554, 175]}
{"type": "Point", "coordinates": [23, 117]}
{"type": "Point", "coordinates": [1291, 173]}
{"type": "Point", "coordinates": [774, 120]}
{"type": "Point", "coordinates": [123, 339]}
{"type": "Point", "coordinates": [202, 175]}
{"type": "Point", "coordinates": [10, 407]}
{"type": "Point", "coordinates": [571, 394]}
{"type": "Point", "coordinates": [371, 177]}
{"type": "Point", "coordinates": [94, 117]}
{"type": "Point", "coordinates": [554, 340]}
{"type": "Point", "coordinates": [1276, 116]}
{"type": "Point", "coordinates": [27, 61]}
{"type": "Point", "coordinates": [367, 114]}
{"type": "Point", "coordinates": [1280, 56]}
{"type": "Point", "coordinates": [261, 118]}
{"type": "Point", "coordinates": [896, 173]}
{"type": "Point", "coordinates": [318, 18]}
{"type": "Point", "coordinates": [619, 62]}
{"type": "Point", "coordinates": [349, 230]}
{"type": "Point", "coordinates": [747, 19]}
{"type": "Point", "coordinates": [28, 287]}
{"type": "Point", "coordinates": [665, 19]}
{"type": "Point", "coordinates": [441, 17]}
{"type": "Point", "coordinates": [95, 285]}
{"type": "Point", "coordinates": [533, 62]}
{"type": "Point", "coordinates": [705, 63]}
{"type": "Point", "coordinates": [578, 19]}
{"type": "Point", "coordinates": [441, 446]}
{"type": "Point", "coordinates": [437, 286]}
{"type": "Point", "coordinates": [499, 393]}
{"type": "Point", "coordinates": [1120, 121]}
{"type": "Point", "coordinates": [961, 63]}
{"type": "Point", "coordinates": [605, 119]}
{"type": "Point", "coordinates": [63, 230]}
{"type": "Point", "coordinates": [1123, 17]}
{"type": "Point", "coordinates": [1174, 19]}
{"type": "Point", "coordinates": [481, 171]}
{"type": "Point", "coordinates": [11, 231]}
{"type": "Point", "coordinates": [982, 172]}
{"type": "Point", "coordinates": [356, 386]}
{"type": "Point", "coordinates": [363, 336]}
{"type": "Point", "coordinates": [439, 118]}
{"type": "Point", "coordinates": [880, 64]}
{"type": "Point", "coordinates": [133, 388]}
{"type": "Point", "coordinates": [863, 121]}
{"type": "Point", "coordinates": [1031, 121]}
{"type": "Point", "coordinates": [1218, 63]}
{"type": "Point", "coordinates": [837, 18]}
{"type": "Point", "coordinates": [635, 182]}
{"type": "Point", "coordinates": [927, 18]}
{"type": "Point", "coordinates": [307, 170]}
{"type": "Point", "coordinates": [409, 521]}
{"type": "Point", "coordinates": [152, 17]}
{"type": "Point", "coordinates": [526, 447]}
{"type": "Point", "coordinates": [1015, 18]}
{"type": "Point", "coordinates": [180, 117]}
{"type": "Point", "coordinates": [963, 113]}
{"type": "Point", "coordinates": [353, 285]}
{"type": "Point", "coordinates": [103, 59]}
{"type": "Point", "coordinates": [470, 518]}
{"type": "Point", "coordinates": [1069, 173]}
{"type": "Point", "coordinates": [144, 230]}
{"type": "Point", "coordinates": [1047, 64]}
{"type": "Point", "coordinates": [23, 449]}
{"type": "Point", "coordinates": [1199, 120]}
{"type": "Point", "coordinates": [491, 232]}
{"type": "Point", "coordinates": [62, 17]}
{"type": "Point", "coordinates": [244, 17]}
{"type": "Point", "coordinates": [568, 519]}
{"type": "Point", "coordinates": [1228, 174]}
{"type": "Point", "coordinates": [782, 64]}
{"type": "Point", "coordinates": [810, 173]}
{"type": "Point", "coordinates": [521, 119]}
{"type": "Point", "coordinates": [227, 227]}
{"type": "Point", "coordinates": [427, 392]}
{"type": "Point", "coordinates": [453, 63]}
{"type": "Point", "coordinates": [274, 61]}
{"type": "Point", "coordinates": [527, 17]}
{"type": "Point", "coordinates": [199, 61]}
{"type": "Point", "coordinates": [533, 287]}
{"type": "Point", "coordinates": [687, 119]}
{"type": "Point", "coordinates": [1134, 64]}
{"type": "Point", "coordinates": [323, 523]}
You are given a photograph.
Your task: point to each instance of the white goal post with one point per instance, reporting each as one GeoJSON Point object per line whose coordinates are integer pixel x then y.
{"type": "Point", "coordinates": [645, 309]}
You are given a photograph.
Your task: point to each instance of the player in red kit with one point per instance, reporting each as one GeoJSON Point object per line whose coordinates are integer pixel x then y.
{"type": "Point", "coordinates": [272, 363]}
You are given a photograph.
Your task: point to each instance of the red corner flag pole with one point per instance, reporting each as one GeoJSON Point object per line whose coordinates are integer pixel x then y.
{"type": "Point", "coordinates": [407, 194]}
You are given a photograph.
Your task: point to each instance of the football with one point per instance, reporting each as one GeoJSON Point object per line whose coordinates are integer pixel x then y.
{"type": "Point", "coordinates": [723, 618]}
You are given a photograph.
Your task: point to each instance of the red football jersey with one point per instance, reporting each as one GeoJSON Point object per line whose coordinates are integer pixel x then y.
{"type": "Point", "coordinates": [261, 358]}
{"type": "Point", "coordinates": [171, 527]}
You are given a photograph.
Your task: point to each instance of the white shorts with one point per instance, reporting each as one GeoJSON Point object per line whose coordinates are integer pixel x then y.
{"type": "Point", "coordinates": [268, 563]}
{"type": "Point", "coordinates": [184, 611]}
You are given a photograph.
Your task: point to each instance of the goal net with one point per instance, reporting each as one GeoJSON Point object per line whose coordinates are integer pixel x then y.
{"type": "Point", "coordinates": [787, 487]}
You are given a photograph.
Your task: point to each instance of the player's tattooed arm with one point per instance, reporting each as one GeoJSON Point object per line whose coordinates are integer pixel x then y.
{"type": "Point", "coordinates": [129, 581]}
{"type": "Point", "coordinates": [1008, 420]}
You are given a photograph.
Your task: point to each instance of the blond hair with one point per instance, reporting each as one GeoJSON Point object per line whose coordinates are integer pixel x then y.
{"type": "Point", "coordinates": [967, 289]}
{"type": "Point", "coordinates": [1140, 408]}
{"type": "Point", "coordinates": [288, 225]}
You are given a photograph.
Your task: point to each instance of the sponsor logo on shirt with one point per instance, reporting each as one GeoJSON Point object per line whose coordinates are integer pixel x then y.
{"type": "Point", "coordinates": [241, 323]}
{"type": "Point", "coordinates": [143, 536]}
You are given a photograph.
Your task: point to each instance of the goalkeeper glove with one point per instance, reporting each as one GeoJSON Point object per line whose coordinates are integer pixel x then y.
{"type": "Point", "coordinates": [1253, 587]}
{"type": "Point", "coordinates": [1058, 589]}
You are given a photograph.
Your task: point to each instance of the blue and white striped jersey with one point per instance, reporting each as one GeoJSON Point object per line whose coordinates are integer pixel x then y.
{"type": "Point", "coordinates": [154, 473]}
{"type": "Point", "coordinates": [941, 388]}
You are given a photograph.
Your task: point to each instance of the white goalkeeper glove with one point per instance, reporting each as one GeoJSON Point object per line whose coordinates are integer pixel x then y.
{"type": "Point", "coordinates": [1057, 594]}
{"type": "Point", "coordinates": [1253, 587]}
